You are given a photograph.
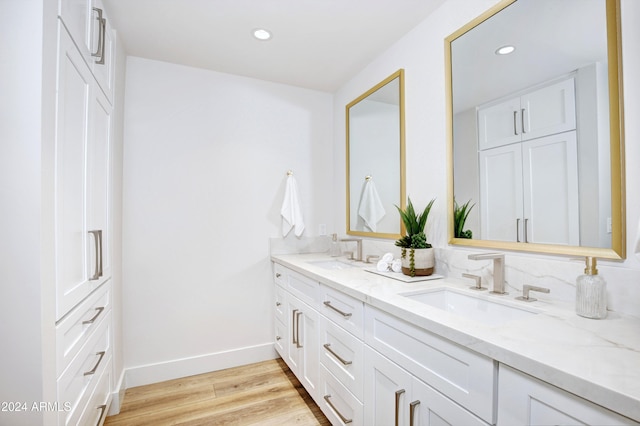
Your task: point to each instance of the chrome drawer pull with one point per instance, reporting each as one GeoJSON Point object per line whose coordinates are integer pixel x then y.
{"type": "Point", "coordinates": [278, 274]}
{"type": "Point", "coordinates": [343, 418]}
{"type": "Point", "coordinates": [102, 409]}
{"type": "Point", "coordinates": [97, 238]}
{"type": "Point", "coordinates": [92, 320]}
{"type": "Point", "coordinates": [93, 370]}
{"type": "Point", "coordinates": [327, 346]}
{"type": "Point", "coordinates": [293, 326]}
{"type": "Point", "coordinates": [344, 314]}
{"type": "Point", "coordinates": [298, 345]}
{"type": "Point", "coordinates": [398, 393]}
{"type": "Point", "coordinates": [412, 411]}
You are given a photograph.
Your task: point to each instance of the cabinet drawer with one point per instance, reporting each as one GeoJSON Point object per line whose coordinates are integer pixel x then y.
{"type": "Point", "coordinates": [280, 338]}
{"type": "Point", "coordinates": [95, 411]}
{"type": "Point", "coordinates": [74, 330]}
{"type": "Point", "coordinates": [297, 284]}
{"type": "Point", "coordinates": [343, 355]}
{"type": "Point", "coordinates": [79, 380]}
{"type": "Point", "coordinates": [344, 310]}
{"type": "Point", "coordinates": [463, 375]}
{"type": "Point", "coordinates": [280, 304]}
{"type": "Point", "coordinates": [337, 403]}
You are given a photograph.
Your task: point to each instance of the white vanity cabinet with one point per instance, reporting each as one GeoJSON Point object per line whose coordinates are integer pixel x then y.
{"type": "Point", "coordinates": [545, 111]}
{"type": "Point", "coordinates": [396, 397]}
{"type": "Point", "coordinates": [462, 377]}
{"type": "Point", "coordinates": [525, 400]}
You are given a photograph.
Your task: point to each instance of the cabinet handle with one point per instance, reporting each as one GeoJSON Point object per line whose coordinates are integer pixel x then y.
{"type": "Point", "coordinates": [278, 338]}
{"type": "Point", "coordinates": [344, 314]}
{"type": "Point", "coordinates": [526, 225]}
{"type": "Point", "coordinates": [278, 274]}
{"type": "Point", "coordinates": [412, 411]}
{"type": "Point", "coordinates": [522, 120]}
{"type": "Point", "coordinates": [95, 367]}
{"type": "Point", "coordinates": [515, 123]}
{"type": "Point", "coordinates": [99, 53]}
{"type": "Point", "coordinates": [398, 394]}
{"type": "Point", "coordinates": [278, 303]}
{"type": "Point", "coordinates": [93, 319]}
{"type": "Point", "coordinates": [293, 326]}
{"type": "Point", "coordinates": [518, 230]}
{"type": "Point", "coordinates": [97, 238]}
{"type": "Point", "coordinates": [298, 345]}
{"type": "Point", "coordinates": [102, 409]}
{"type": "Point", "coordinates": [327, 346]}
{"type": "Point", "coordinates": [342, 418]}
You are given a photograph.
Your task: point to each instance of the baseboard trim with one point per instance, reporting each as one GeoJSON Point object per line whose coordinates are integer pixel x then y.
{"type": "Point", "coordinates": [174, 369]}
{"type": "Point", "coordinates": [117, 396]}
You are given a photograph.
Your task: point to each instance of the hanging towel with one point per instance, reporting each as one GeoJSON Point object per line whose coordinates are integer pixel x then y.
{"type": "Point", "coordinates": [291, 212]}
{"type": "Point", "coordinates": [371, 209]}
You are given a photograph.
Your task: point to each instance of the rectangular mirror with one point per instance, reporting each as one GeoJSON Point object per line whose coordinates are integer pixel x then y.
{"type": "Point", "coordinates": [534, 106]}
{"type": "Point", "coordinates": [375, 160]}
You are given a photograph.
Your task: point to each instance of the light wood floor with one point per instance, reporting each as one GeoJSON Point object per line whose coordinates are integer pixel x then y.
{"type": "Point", "coordinates": [266, 393]}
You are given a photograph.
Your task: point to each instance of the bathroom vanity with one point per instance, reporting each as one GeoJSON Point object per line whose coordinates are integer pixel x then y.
{"type": "Point", "coordinates": [373, 350]}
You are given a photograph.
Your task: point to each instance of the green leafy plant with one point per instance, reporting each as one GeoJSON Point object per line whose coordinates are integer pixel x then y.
{"type": "Point", "coordinates": [415, 237]}
{"type": "Point", "coordinates": [460, 214]}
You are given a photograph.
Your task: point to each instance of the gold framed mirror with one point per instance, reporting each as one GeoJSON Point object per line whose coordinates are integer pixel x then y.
{"type": "Point", "coordinates": [535, 137]}
{"type": "Point", "coordinates": [376, 159]}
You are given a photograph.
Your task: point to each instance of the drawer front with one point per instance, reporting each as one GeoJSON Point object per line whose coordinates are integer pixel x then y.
{"type": "Point", "coordinates": [281, 338]}
{"type": "Point", "coordinates": [74, 330]}
{"type": "Point", "coordinates": [463, 375]}
{"type": "Point", "coordinates": [280, 274]}
{"type": "Point", "coordinates": [344, 310]}
{"type": "Point", "coordinates": [280, 304]}
{"type": "Point", "coordinates": [343, 355]}
{"type": "Point", "coordinates": [95, 411]}
{"type": "Point", "coordinates": [78, 381]}
{"type": "Point", "coordinates": [297, 284]}
{"type": "Point", "coordinates": [337, 403]}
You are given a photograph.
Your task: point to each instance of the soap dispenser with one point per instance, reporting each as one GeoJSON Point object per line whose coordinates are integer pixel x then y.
{"type": "Point", "coordinates": [334, 250]}
{"type": "Point", "coordinates": [591, 292]}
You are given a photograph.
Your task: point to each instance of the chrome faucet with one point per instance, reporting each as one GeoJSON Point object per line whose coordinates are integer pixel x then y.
{"type": "Point", "coordinates": [359, 247]}
{"type": "Point", "coordinates": [498, 270]}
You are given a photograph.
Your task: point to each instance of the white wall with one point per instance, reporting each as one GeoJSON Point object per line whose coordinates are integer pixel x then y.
{"type": "Point", "coordinates": [421, 54]}
{"type": "Point", "coordinates": [205, 162]}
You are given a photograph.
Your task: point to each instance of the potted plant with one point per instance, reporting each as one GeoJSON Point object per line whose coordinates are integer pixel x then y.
{"type": "Point", "coordinates": [417, 254]}
{"type": "Point", "coordinates": [460, 214]}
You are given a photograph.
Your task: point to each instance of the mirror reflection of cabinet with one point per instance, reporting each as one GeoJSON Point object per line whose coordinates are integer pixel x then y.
{"type": "Point", "coordinates": [528, 162]}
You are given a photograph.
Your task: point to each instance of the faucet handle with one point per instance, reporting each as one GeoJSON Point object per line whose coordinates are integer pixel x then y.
{"type": "Point", "coordinates": [478, 281]}
{"type": "Point", "coordinates": [527, 288]}
{"type": "Point", "coordinates": [371, 257]}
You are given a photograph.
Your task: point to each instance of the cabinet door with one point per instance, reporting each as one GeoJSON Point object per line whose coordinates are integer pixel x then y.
{"type": "Point", "coordinates": [550, 178]}
{"type": "Point", "coordinates": [387, 391]}
{"type": "Point", "coordinates": [499, 124]}
{"type": "Point", "coordinates": [524, 400]}
{"type": "Point", "coordinates": [99, 188]}
{"type": "Point", "coordinates": [501, 193]}
{"type": "Point", "coordinates": [302, 347]}
{"type": "Point", "coordinates": [78, 17]}
{"type": "Point", "coordinates": [72, 117]}
{"type": "Point", "coordinates": [429, 407]}
{"type": "Point", "coordinates": [549, 110]}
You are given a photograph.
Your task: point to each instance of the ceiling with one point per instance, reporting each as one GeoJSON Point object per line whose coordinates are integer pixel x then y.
{"type": "Point", "coordinates": [316, 44]}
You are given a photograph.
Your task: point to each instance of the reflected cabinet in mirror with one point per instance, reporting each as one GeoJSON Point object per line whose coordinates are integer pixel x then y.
{"type": "Point", "coordinates": [535, 128]}
{"type": "Point", "coordinates": [375, 160]}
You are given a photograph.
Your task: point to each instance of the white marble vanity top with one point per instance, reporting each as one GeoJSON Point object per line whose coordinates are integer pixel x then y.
{"type": "Point", "coordinates": [598, 360]}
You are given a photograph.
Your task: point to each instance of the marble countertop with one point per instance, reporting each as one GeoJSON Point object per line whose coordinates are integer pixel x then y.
{"type": "Point", "coordinates": [598, 360]}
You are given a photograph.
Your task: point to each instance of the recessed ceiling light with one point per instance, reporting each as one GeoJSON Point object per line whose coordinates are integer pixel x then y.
{"type": "Point", "coordinates": [505, 50]}
{"type": "Point", "coordinates": [261, 34]}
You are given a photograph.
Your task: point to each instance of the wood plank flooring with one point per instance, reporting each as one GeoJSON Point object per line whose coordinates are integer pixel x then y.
{"type": "Point", "coordinates": [266, 393]}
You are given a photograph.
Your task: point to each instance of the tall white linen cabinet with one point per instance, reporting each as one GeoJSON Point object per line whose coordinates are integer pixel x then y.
{"type": "Point", "coordinates": [64, 372]}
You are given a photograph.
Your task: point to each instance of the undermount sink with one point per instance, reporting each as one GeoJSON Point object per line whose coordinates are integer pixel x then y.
{"type": "Point", "coordinates": [332, 264]}
{"type": "Point", "coordinates": [477, 308]}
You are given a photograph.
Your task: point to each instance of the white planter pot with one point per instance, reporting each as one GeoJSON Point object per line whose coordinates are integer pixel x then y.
{"type": "Point", "coordinates": [424, 262]}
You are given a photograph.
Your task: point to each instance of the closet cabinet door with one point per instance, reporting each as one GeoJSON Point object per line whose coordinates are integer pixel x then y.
{"type": "Point", "coordinates": [550, 178]}
{"type": "Point", "coordinates": [501, 193]}
{"type": "Point", "coordinates": [549, 110]}
{"type": "Point", "coordinates": [72, 115]}
{"type": "Point", "coordinates": [80, 20]}
{"type": "Point", "coordinates": [499, 124]}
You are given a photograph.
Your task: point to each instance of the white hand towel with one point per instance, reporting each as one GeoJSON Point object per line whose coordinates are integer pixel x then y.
{"type": "Point", "coordinates": [388, 257]}
{"type": "Point", "coordinates": [382, 266]}
{"type": "Point", "coordinates": [371, 209]}
{"type": "Point", "coordinates": [396, 265]}
{"type": "Point", "coordinates": [291, 211]}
